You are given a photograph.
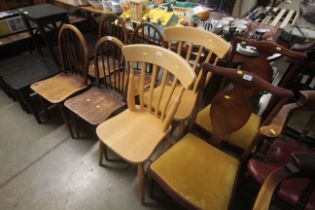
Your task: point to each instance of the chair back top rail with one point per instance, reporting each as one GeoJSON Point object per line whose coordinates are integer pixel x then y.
{"type": "Point", "coordinates": [73, 50]}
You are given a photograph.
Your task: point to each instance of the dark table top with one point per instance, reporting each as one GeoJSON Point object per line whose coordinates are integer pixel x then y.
{"type": "Point", "coordinates": [42, 11]}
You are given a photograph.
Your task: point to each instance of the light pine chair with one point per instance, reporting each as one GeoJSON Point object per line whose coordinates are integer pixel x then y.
{"type": "Point", "coordinates": [136, 132]}
{"type": "Point", "coordinates": [73, 52]}
{"type": "Point", "coordinates": [196, 46]}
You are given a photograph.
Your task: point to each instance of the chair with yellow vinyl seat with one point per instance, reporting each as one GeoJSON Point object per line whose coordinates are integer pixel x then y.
{"type": "Point", "coordinates": [196, 172]}
{"type": "Point", "coordinates": [197, 46]}
{"type": "Point", "coordinates": [136, 132]}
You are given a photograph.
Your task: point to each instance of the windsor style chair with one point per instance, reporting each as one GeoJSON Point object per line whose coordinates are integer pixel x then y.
{"type": "Point", "coordinates": [136, 132]}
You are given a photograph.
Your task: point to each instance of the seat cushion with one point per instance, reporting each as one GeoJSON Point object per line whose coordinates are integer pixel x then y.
{"type": "Point", "coordinates": [185, 107]}
{"type": "Point", "coordinates": [290, 191]}
{"type": "Point", "coordinates": [133, 135]}
{"type": "Point", "coordinates": [59, 87]}
{"type": "Point", "coordinates": [96, 104]}
{"type": "Point", "coordinates": [278, 155]}
{"type": "Point", "coordinates": [198, 172]}
{"type": "Point", "coordinates": [242, 137]}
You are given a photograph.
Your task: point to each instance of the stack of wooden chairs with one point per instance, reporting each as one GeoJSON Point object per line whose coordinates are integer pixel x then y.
{"type": "Point", "coordinates": [137, 91]}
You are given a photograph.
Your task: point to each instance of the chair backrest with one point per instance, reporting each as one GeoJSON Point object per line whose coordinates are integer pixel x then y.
{"type": "Point", "coordinates": [73, 51]}
{"type": "Point", "coordinates": [231, 107]}
{"type": "Point", "coordinates": [302, 165]}
{"type": "Point", "coordinates": [113, 25]}
{"type": "Point", "coordinates": [171, 65]}
{"type": "Point", "coordinates": [261, 66]}
{"type": "Point", "coordinates": [197, 46]}
{"type": "Point", "coordinates": [147, 33]}
{"type": "Point", "coordinates": [109, 61]}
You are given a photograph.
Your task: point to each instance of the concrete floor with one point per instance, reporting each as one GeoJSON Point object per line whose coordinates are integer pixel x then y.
{"type": "Point", "coordinates": [41, 167]}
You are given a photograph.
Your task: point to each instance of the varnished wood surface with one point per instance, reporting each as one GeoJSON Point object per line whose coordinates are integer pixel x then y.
{"type": "Point", "coordinates": [96, 104]}
{"type": "Point", "coordinates": [125, 134]}
{"type": "Point", "coordinates": [59, 87]}
{"type": "Point", "coordinates": [86, 8]}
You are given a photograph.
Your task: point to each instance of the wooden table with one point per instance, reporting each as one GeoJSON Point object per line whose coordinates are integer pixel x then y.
{"type": "Point", "coordinates": [88, 8]}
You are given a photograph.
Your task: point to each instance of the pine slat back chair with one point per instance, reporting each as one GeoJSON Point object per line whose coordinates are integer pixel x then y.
{"type": "Point", "coordinates": [73, 50]}
{"type": "Point", "coordinates": [124, 133]}
{"type": "Point", "coordinates": [109, 91]}
{"type": "Point", "coordinates": [196, 46]}
{"type": "Point", "coordinates": [113, 25]}
{"type": "Point", "coordinates": [300, 166]}
{"type": "Point", "coordinates": [189, 170]}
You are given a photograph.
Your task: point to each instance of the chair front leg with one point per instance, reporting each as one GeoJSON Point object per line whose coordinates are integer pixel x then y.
{"type": "Point", "coordinates": [65, 118]}
{"type": "Point", "coordinates": [101, 152]}
{"type": "Point", "coordinates": [140, 172]}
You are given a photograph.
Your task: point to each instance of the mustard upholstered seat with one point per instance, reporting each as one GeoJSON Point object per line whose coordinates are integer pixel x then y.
{"type": "Point", "coordinates": [242, 137]}
{"type": "Point", "coordinates": [200, 173]}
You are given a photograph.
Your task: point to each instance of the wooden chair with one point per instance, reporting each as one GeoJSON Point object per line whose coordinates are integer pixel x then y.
{"type": "Point", "coordinates": [113, 25]}
{"type": "Point", "coordinates": [110, 25]}
{"type": "Point", "coordinates": [147, 33]}
{"type": "Point", "coordinates": [125, 133]}
{"type": "Point", "coordinates": [74, 65]}
{"type": "Point", "coordinates": [196, 46]}
{"type": "Point", "coordinates": [300, 166]}
{"type": "Point", "coordinates": [198, 174]}
{"type": "Point", "coordinates": [98, 103]}
{"type": "Point", "coordinates": [278, 147]}
{"type": "Point", "coordinates": [260, 66]}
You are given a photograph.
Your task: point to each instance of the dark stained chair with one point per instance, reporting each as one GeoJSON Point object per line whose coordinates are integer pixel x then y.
{"type": "Point", "coordinates": [101, 101]}
{"type": "Point", "coordinates": [196, 172]}
{"type": "Point", "coordinates": [276, 152]}
{"type": "Point", "coordinates": [74, 65]}
{"type": "Point", "coordinates": [147, 33]}
{"type": "Point", "coordinates": [113, 25]}
{"type": "Point", "coordinates": [301, 166]}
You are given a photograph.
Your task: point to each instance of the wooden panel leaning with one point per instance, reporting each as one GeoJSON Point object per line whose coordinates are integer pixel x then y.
{"type": "Point", "coordinates": [189, 170]}
{"type": "Point", "coordinates": [300, 166]}
{"type": "Point", "coordinates": [196, 46]}
{"type": "Point", "coordinates": [107, 95]}
{"type": "Point", "coordinates": [125, 133]}
{"type": "Point", "coordinates": [74, 64]}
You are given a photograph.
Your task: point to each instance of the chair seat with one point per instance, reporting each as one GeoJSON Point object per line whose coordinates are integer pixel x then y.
{"type": "Point", "coordinates": [96, 104]}
{"type": "Point", "coordinates": [185, 107]}
{"type": "Point", "coordinates": [127, 135]}
{"type": "Point", "coordinates": [291, 190]}
{"type": "Point", "coordinates": [59, 87]}
{"type": "Point", "coordinates": [200, 173]}
{"type": "Point", "coordinates": [278, 155]}
{"type": "Point", "coordinates": [241, 138]}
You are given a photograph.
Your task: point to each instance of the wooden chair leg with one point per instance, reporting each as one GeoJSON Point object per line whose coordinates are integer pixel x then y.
{"type": "Point", "coordinates": [101, 152]}
{"type": "Point", "coordinates": [141, 182]}
{"type": "Point", "coordinates": [65, 118]}
{"type": "Point", "coordinates": [181, 129]}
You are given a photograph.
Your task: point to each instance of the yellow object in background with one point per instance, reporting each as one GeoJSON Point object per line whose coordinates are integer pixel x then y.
{"type": "Point", "coordinates": [166, 18]}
